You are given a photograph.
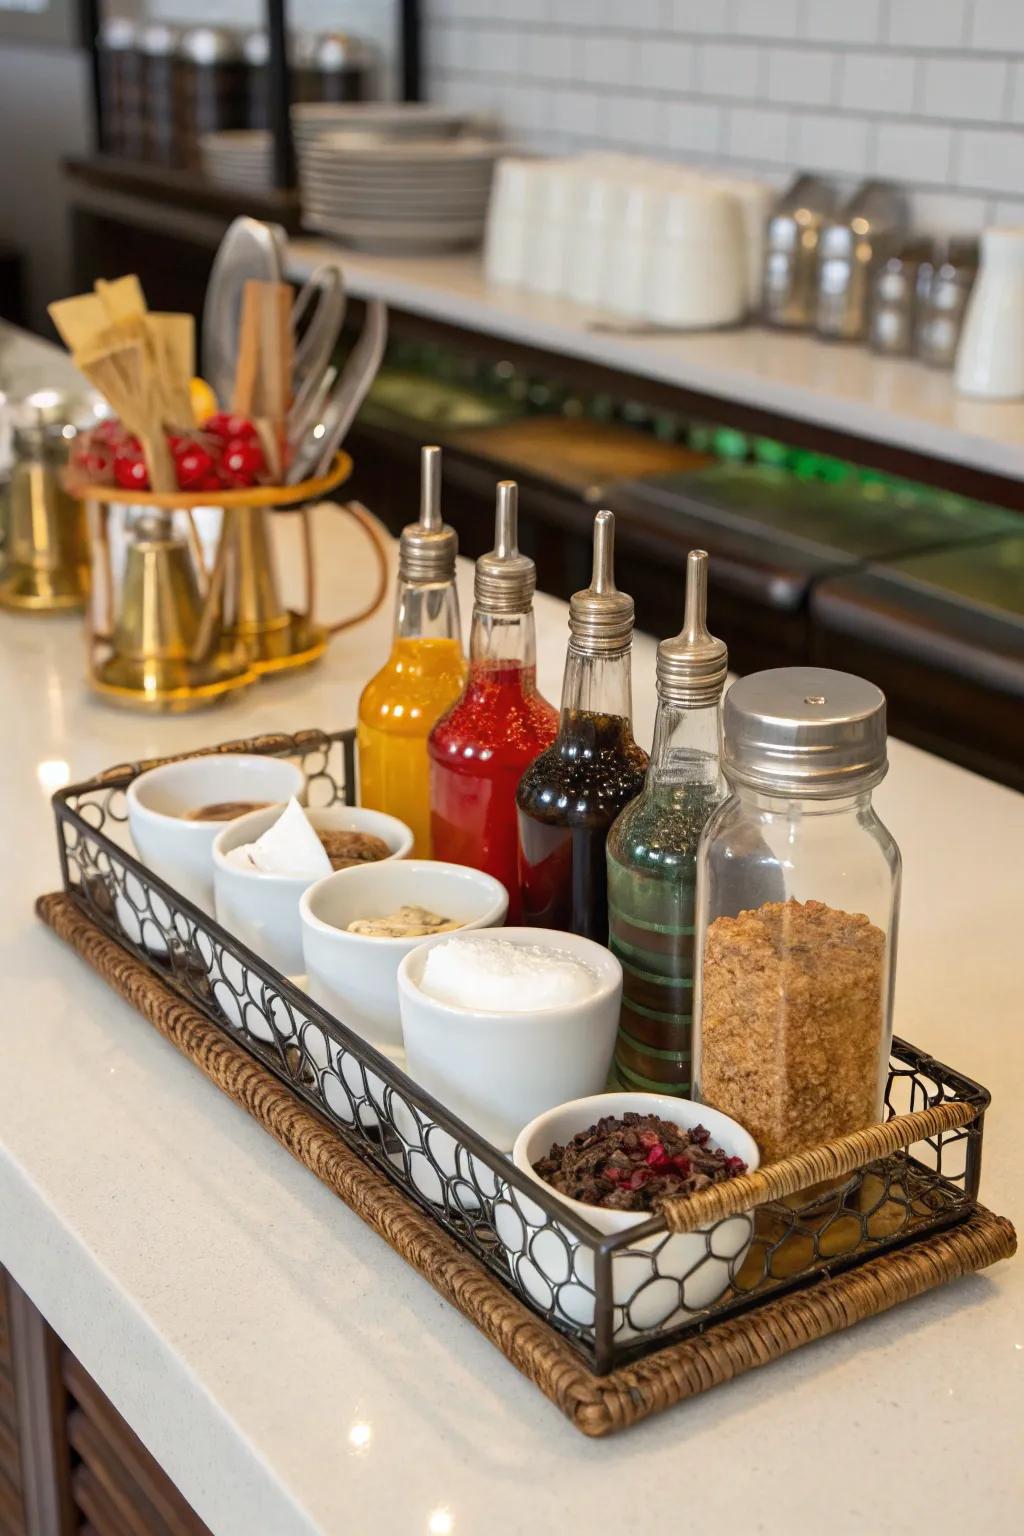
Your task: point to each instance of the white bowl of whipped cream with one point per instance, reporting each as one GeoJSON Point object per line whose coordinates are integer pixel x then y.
{"type": "Point", "coordinates": [500, 1026]}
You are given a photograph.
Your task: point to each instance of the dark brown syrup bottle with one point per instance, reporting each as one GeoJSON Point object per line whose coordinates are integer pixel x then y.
{"type": "Point", "coordinates": [571, 794]}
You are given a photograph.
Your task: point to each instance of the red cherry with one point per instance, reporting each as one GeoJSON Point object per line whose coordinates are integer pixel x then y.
{"type": "Point", "coordinates": [212, 482]}
{"type": "Point", "coordinates": [95, 464]}
{"type": "Point", "coordinates": [109, 431]}
{"type": "Point", "coordinates": [242, 460]}
{"type": "Point", "coordinates": [130, 471]}
{"type": "Point", "coordinates": [193, 465]}
{"type": "Point", "coordinates": [227, 425]}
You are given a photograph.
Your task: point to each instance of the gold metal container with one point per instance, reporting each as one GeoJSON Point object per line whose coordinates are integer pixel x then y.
{"type": "Point", "coordinates": [171, 633]}
{"type": "Point", "coordinates": [46, 557]}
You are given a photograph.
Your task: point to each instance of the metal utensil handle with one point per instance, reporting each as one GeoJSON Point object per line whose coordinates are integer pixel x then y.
{"type": "Point", "coordinates": [349, 393]}
{"type": "Point", "coordinates": [325, 286]}
{"type": "Point", "coordinates": [249, 249]}
{"type": "Point", "coordinates": [308, 405]}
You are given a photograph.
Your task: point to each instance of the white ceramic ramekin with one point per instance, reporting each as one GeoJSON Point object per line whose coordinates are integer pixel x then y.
{"type": "Point", "coordinates": [498, 1070]}
{"type": "Point", "coordinates": [657, 1281]}
{"type": "Point", "coordinates": [353, 975]}
{"type": "Point", "coordinates": [179, 850]}
{"type": "Point", "coordinates": [263, 909]}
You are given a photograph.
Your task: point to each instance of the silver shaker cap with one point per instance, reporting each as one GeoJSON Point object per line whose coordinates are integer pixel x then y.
{"type": "Point", "coordinates": [601, 618]}
{"type": "Point", "coordinates": [427, 549]}
{"type": "Point", "coordinates": [807, 732]}
{"type": "Point", "coordinates": [505, 580]}
{"type": "Point", "coordinates": [692, 666]}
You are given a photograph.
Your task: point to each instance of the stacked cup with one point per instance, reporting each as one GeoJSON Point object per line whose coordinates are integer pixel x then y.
{"type": "Point", "coordinates": [636, 238]}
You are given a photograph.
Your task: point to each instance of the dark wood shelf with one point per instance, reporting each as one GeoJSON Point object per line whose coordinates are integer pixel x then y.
{"type": "Point", "coordinates": [181, 189]}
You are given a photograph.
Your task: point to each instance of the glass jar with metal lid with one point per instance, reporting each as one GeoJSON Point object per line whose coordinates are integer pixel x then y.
{"type": "Point", "coordinates": [121, 87]}
{"type": "Point", "coordinates": [332, 66]}
{"type": "Point", "coordinates": [798, 885]}
{"type": "Point", "coordinates": [213, 81]}
{"type": "Point", "coordinates": [158, 45]}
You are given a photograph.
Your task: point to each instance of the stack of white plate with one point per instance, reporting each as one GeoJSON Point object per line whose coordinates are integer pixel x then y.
{"type": "Point", "coordinates": [394, 119]}
{"type": "Point", "coordinates": [242, 159]}
{"type": "Point", "coordinates": [378, 195]}
{"type": "Point", "coordinates": [393, 177]}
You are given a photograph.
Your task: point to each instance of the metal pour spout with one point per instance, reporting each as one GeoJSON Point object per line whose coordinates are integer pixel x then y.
{"type": "Point", "coordinates": [430, 489]}
{"type": "Point", "coordinates": [603, 577]}
{"type": "Point", "coordinates": [693, 665]}
{"type": "Point", "coordinates": [427, 548]}
{"type": "Point", "coordinates": [601, 618]}
{"type": "Point", "coordinates": [505, 579]}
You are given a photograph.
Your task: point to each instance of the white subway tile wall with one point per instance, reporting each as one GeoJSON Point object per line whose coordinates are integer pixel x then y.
{"type": "Point", "coordinates": [927, 92]}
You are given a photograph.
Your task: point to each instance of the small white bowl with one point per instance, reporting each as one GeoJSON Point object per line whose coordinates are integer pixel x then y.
{"type": "Point", "coordinates": [180, 851]}
{"type": "Point", "coordinates": [263, 909]}
{"type": "Point", "coordinates": [658, 1281]}
{"type": "Point", "coordinates": [353, 975]}
{"type": "Point", "coordinates": [496, 1070]}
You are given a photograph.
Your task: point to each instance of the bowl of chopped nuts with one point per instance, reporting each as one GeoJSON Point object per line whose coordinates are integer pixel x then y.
{"type": "Point", "coordinates": [612, 1159]}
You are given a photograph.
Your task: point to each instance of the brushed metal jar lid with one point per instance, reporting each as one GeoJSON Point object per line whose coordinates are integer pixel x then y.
{"type": "Point", "coordinates": [211, 45]}
{"type": "Point", "coordinates": [505, 580]}
{"type": "Point", "coordinates": [159, 39]}
{"type": "Point", "coordinates": [427, 549]}
{"type": "Point", "coordinates": [807, 732]}
{"type": "Point", "coordinates": [693, 665]}
{"type": "Point", "coordinates": [601, 618]}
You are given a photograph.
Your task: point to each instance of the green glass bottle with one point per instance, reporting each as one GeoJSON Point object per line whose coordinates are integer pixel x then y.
{"type": "Point", "coordinates": [651, 853]}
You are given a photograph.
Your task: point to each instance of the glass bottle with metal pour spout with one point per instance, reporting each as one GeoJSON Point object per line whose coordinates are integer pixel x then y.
{"type": "Point", "coordinates": [571, 794]}
{"type": "Point", "coordinates": [652, 853]}
{"type": "Point", "coordinates": [424, 673]}
{"type": "Point", "coordinates": [478, 750]}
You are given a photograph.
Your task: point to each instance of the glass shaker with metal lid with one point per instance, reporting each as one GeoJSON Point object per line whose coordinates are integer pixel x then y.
{"type": "Point", "coordinates": [121, 86]}
{"type": "Point", "coordinates": [798, 884]}
{"type": "Point", "coordinates": [333, 66]}
{"type": "Point", "coordinates": [158, 44]}
{"type": "Point", "coordinates": [46, 546]}
{"type": "Point", "coordinates": [652, 852]}
{"type": "Point", "coordinates": [213, 85]}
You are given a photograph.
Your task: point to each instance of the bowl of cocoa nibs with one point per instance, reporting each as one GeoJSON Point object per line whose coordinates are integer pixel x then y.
{"type": "Point", "coordinates": [612, 1160]}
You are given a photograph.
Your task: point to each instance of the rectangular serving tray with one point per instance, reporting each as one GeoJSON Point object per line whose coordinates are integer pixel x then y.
{"type": "Point", "coordinates": [611, 1300]}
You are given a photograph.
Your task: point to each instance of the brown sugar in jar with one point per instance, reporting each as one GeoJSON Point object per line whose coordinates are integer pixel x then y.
{"type": "Point", "coordinates": [793, 1023]}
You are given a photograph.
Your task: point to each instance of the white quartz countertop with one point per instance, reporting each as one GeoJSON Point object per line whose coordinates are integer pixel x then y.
{"type": "Point", "coordinates": [848, 388]}
{"type": "Point", "coordinates": [294, 1376]}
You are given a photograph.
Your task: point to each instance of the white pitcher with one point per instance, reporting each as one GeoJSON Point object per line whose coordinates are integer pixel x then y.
{"type": "Point", "coordinates": [990, 357]}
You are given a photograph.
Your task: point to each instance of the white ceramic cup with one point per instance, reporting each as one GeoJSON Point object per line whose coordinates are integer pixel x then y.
{"type": "Point", "coordinates": [180, 851]}
{"type": "Point", "coordinates": [626, 274]}
{"type": "Point", "coordinates": [697, 273]}
{"type": "Point", "coordinates": [600, 195]}
{"type": "Point", "coordinates": [677, 1274]}
{"type": "Point", "coordinates": [355, 976]}
{"type": "Point", "coordinates": [550, 223]}
{"type": "Point", "coordinates": [990, 354]}
{"type": "Point", "coordinates": [262, 910]}
{"type": "Point", "coordinates": [507, 241]}
{"type": "Point", "coordinates": [497, 1070]}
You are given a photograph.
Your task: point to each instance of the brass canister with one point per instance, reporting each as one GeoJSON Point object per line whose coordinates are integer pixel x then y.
{"type": "Point", "coordinates": [46, 553]}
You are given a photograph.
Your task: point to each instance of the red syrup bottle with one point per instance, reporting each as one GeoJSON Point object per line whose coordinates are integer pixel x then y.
{"type": "Point", "coordinates": [479, 749]}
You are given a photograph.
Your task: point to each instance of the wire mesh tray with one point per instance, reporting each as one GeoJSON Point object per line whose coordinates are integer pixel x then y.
{"type": "Point", "coordinates": [614, 1298]}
